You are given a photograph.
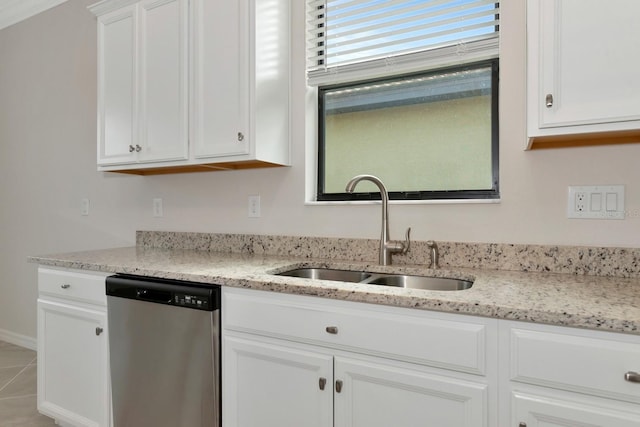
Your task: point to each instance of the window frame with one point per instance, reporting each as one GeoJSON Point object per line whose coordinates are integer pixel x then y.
{"type": "Point", "coordinates": [488, 194]}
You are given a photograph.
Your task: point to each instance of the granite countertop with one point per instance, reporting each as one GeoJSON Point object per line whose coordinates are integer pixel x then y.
{"type": "Point", "coordinates": [592, 302]}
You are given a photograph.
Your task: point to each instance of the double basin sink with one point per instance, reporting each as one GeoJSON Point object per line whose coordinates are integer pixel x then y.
{"type": "Point", "coordinates": [383, 279]}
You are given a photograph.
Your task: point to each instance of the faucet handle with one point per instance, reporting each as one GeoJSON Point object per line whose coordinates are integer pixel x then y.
{"type": "Point", "coordinates": [434, 253]}
{"type": "Point", "coordinates": [407, 241]}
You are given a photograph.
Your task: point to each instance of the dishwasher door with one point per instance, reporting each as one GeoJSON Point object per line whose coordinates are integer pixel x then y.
{"type": "Point", "coordinates": [165, 355]}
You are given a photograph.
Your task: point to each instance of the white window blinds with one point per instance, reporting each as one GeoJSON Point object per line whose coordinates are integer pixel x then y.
{"type": "Point", "coordinates": [351, 40]}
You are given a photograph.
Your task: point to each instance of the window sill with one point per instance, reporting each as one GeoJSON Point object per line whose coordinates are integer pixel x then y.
{"type": "Point", "coordinates": [403, 202]}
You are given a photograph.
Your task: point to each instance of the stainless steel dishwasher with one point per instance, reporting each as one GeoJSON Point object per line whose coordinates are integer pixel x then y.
{"type": "Point", "coordinates": [164, 349]}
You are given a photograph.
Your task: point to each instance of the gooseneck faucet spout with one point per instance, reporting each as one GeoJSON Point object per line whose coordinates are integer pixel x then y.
{"type": "Point", "coordinates": [387, 247]}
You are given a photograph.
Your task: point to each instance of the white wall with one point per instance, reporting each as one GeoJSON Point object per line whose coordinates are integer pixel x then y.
{"type": "Point", "coordinates": [47, 165]}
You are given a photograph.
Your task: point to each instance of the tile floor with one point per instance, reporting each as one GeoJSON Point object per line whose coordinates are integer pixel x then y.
{"type": "Point", "coordinates": [18, 388]}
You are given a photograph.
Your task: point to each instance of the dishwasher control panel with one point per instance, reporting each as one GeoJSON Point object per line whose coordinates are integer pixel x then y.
{"type": "Point", "coordinates": [189, 300]}
{"type": "Point", "coordinates": [164, 291]}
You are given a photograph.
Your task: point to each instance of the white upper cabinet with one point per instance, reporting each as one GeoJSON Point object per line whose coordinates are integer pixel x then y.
{"type": "Point", "coordinates": [192, 84]}
{"type": "Point", "coordinates": [583, 69]}
{"type": "Point", "coordinates": [163, 80]}
{"type": "Point", "coordinates": [142, 82]}
{"type": "Point", "coordinates": [220, 72]}
{"type": "Point", "coordinates": [117, 87]}
{"type": "Point", "coordinates": [240, 98]}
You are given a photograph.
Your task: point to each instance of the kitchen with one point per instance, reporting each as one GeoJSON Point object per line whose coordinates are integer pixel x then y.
{"type": "Point", "coordinates": [48, 128]}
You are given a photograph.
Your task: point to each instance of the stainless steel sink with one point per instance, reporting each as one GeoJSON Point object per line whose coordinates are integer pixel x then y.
{"type": "Point", "coordinates": [422, 282]}
{"type": "Point", "coordinates": [382, 279]}
{"type": "Point", "coordinates": [327, 274]}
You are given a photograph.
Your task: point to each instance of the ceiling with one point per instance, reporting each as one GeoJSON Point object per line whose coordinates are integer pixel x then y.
{"type": "Point", "coordinates": [14, 11]}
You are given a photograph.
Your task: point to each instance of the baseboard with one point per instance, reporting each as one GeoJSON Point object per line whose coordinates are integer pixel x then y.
{"type": "Point", "coordinates": [18, 339]}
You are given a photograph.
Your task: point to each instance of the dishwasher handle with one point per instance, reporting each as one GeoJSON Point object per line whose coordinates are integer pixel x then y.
{"type": "Point", "coordinates": [153, 295]}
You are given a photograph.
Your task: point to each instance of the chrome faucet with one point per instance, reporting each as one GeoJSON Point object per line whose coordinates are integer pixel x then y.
{"type": "Point", "coordinates": [387, 247]}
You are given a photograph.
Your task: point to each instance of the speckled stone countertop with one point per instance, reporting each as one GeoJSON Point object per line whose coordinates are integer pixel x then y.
{"type": "Point", "coordinates": [584, 301]}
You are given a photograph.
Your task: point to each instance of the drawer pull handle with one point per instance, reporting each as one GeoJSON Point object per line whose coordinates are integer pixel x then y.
{"type": "Point", "coordinates": [332, 329]}
{"type": "Point", "coordinates": [522, 425]}
{"type": "Point", "coordinates": [99, 330]}
{"type": "Point", "coordinates": [322, 382]}
{"type": "Point", "coordinates": [632, 377]}
{"type": "Point", "coordinates": [65, 286]}
{"type": "Point", "coordinates": [338, 386]}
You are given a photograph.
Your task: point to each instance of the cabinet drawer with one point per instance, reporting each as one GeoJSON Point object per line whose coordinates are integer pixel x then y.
{"type": "Point", "coordinates": [74, 285]}
{"type": "Point", "coordinates": [414, 336]}
{"type": "Point", "coordinates": [591, 363]}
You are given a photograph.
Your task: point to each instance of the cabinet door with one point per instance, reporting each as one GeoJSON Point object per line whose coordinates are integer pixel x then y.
{"type": "Point", "coordinates": [117, 87]}
{"type": "Point", "coordinates": [163, 80]}
{"type": "Point", "coordinates": [220, 89]}
{"type": "Point", "coordinates": [73, 384]}
{"type": "Point", "coordinates": [269, 385]}
{"type": "Point", "coordinates": [588, 64]}
{"type": "Point", "coordinates": [538, 411]}
{"type": "Point", "coordinates": [373, 395]}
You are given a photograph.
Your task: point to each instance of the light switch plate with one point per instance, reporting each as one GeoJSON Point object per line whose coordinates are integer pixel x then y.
{"type": "Point", "coordinates": [254, 207]}
{"type": "Point", "coordinates": [84, 207]}
{"type": "Point", "coordinates": [596, 202]}
{"type": "Point", "coordinates": [158, 212]}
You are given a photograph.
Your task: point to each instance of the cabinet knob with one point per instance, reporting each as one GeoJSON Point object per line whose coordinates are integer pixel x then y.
{"type": "Point", "coordinates": [99, 330]}
{"type": "Point", "coordinates": [138, 148]}
{"type": "Point", "coordinates": [240, 136]}
{"type": "Point", "coordinates": [549, 100]}
{"type": "Point", "coordinates": [65, 286]}
{"type": "Point", "coordinates": [132, 148]}
{"type": "Point", "coordinates": [338, 386]}
{"type": "Point", "coordinates": [322, 382]}
{"type": "Point", "coordinates": [522, 425]}
{"type": "Point", "coordinates": [632, 377]}
{"type": "Point", "coordinates": [332, 329]}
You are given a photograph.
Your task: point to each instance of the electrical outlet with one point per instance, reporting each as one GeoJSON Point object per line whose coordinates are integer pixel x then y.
{"type": "Point", "coordinates": [596, 202]}
{"type": "Point", "coordinates": [254, 207]}
{"type": "Point", "coordinates": [157, 208]}
{"type": "Point", "coordinates": [581, 201]}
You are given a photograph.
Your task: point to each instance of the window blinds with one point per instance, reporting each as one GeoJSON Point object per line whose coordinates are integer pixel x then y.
{"type": "Point", "coordinates": [351, 40]}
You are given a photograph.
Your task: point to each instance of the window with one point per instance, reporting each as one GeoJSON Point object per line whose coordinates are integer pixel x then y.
{"type": "Point", "coordinates": [407, 91]}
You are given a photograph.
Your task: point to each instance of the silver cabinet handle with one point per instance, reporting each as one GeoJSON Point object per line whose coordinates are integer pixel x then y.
{"type": "Point", "coordinates": [332, 329]}
{"type": "Point", "coordinates": [632, 377]}
{"type": "Point", "coordinates": [338, 386]}
{"type": "Point", "coordinates": [65, 286]}
{"type": "Point", "coordinates": [322, 382]}
{"type": "Point", "coordinates": [131, 148]}
{"type": "Point", "coordinates": [99, 330]}
{"type": "Point", "coordinates": [549, 100]}
{"type": "Point", "coordinates": [240, 136]}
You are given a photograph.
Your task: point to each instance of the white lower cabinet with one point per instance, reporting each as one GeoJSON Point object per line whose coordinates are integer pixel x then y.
{"type": "Point", "coordinates": [73, 365]}
{"type": "Point", "coordinates": [565, 377]}
{"type": "Point", "coordinates": [381, 394]}
{"type": "Point", "coordinates": [274, 384]}
{"type": "Point", "coordinates": [545, 410]}
{"type": "Point", "coordinates": [315, 377]}
{"type": "Point", "coordinates": [271, 385]}
{"type": "Point", "coordinates": [300, 361]}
